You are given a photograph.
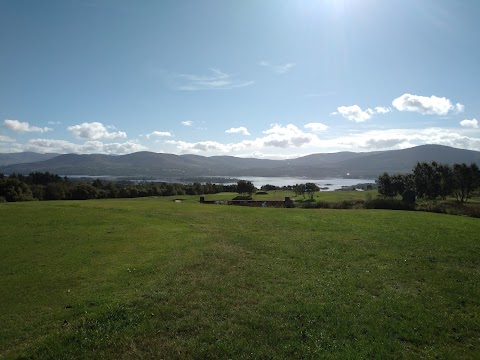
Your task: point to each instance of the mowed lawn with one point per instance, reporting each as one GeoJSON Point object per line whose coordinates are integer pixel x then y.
{"type": "Point", "coordinates": [151, 278]}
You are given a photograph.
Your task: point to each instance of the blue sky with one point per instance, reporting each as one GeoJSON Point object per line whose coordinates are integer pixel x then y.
{"type": "Point", "coordinates": [268, 79]}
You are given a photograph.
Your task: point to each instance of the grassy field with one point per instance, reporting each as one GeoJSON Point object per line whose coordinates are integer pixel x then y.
{"type": "Point", "coordinates": [331, 196]}
{"type": "Point", "coordinates": [151, 278]}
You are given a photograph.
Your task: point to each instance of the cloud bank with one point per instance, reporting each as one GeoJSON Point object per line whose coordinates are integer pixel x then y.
{"type": "Point", "coordinates": [277, 136]}
{"type": "Point", "coordinates": [278, 140]}
{"type": "Point", "coordinates": [89, 147]}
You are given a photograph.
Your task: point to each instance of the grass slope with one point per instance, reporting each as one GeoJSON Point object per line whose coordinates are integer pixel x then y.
{"type": "Point", "coordinates": [152, 278]}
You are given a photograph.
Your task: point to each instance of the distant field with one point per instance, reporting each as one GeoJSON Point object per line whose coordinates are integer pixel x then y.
{"type": "Point", "coordinates": [281, 194]}
{"type": "Point", "coordinates": [151, 278]}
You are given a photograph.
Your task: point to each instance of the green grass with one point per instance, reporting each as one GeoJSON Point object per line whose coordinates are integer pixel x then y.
{"type": "Point", "coordinates": [330, 196]}
{"type": "Point", "coordinates": [150, 278]}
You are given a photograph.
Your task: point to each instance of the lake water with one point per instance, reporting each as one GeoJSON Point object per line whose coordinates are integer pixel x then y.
{"type": "Point", "coordinates": [331, 183]}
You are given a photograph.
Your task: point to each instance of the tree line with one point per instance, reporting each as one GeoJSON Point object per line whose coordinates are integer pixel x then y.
{"type": "Point", "coordinates": [431, 181]}
{"type": "Point", "coordinates": [47, 186]}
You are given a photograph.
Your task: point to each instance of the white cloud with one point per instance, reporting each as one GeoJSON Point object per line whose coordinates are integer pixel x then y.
{"type": "Point", "coordinates": [4, 138]}
{"type": "Point", "coordinates": [382, 110]}
{"type": "Point", "coordinates": [316, 127]}
{"type": "Point", "coordinates": [354, 113]}
{"type": "Point", "coordinates": [159, 134]}
{"type": "Point", "coordinates": [240, 130]}
{"type": "Point", "coordinates": [20, 127]}
{"type": "Point", "coordinates": [459, 107]}
{"type": "Point", "coordinates": [187, 123]}
{"type": "Point", "coordinates": [432, 105]}
{"type": "Point", "coordinates": [94, 131]}
{"type": "Point", "coordinates": [54, 123]}
{"type": "Point", "coordinates": [89, 147]}
{"type": "Point", "coordinates": [217, 80]}
{"type": "Point", "coordinates": [287, 136]}
{"type": "Point", "coordinates": [470, 123]}
{"type": "Point", "coordinates": [279, 69]}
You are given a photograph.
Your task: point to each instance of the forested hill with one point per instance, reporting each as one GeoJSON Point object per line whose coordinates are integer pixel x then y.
{"type": "Point", "coordinates": [149, 164]}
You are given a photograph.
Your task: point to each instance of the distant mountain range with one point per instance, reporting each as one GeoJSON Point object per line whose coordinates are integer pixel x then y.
{"type": "Point", "coordinates": [23, 157]}
{"type": "Point", "coordinates": [169, 166]}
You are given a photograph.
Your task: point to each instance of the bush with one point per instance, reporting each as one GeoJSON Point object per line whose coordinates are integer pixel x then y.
{"type": "Point", "coordinates": [409, 196]}
{"type": "Point", "coordinates": [451, 208]}
{"type": "Point", "coordinates": [240, 197]}
{"type": "Point", "coordinates": [289, 204]}
{"type": "Point", "coordinates": [385, 203]}
{"type": "Point", "coordinates": [346, 204]}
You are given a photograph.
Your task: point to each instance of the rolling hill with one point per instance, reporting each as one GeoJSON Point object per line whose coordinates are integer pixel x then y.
{"type": "Point", "coordinates": [170, 166]}
{"type": "Point", "coordinates": [24, 157]}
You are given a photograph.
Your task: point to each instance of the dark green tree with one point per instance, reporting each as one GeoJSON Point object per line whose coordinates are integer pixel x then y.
{"type": "Point", "coordinates": [427, 180]}
{"type": "Point", "coordinates": [385, 185]}
{"type": "Point", "coordinates": [245, 187]}
{"type": "Point", "coordinates": [82, 191]}
{"type": "Point", "coordinates": [447, 180]}
{"type": "Point", "coordinates": [13, 189]}
{"type": "Point", "coordinates": [55, 191]}
{"type": "Point", "coordinates": [310, 189]}
{"type": "Point", "coordinates": [467, 179]}
{"type": "Point", "coordinates": [42, 178]}
{"type": "Point", "coordinates": [299, 189]}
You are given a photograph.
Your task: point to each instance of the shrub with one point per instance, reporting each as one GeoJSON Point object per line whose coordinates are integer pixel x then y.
{"type": "Point", "coordinates": [409, 196]}
{"type": "Point", "coordinates": [385, 203]}
{"type": "Point", "coordinates": [346, 204]}
{"type": "Point", "coordinates": [240, 197]}
{"type": "Point", "coordinates": [451, 208]}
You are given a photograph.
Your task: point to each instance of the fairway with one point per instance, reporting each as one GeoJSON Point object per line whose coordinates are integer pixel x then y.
{"type": "Point", "coordinates": [154, 278]}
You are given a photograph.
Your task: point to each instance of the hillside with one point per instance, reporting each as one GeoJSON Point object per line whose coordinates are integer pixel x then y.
{"type": "Point", "coordinates": [23, 157]}
{"type": "Point", "coordinates": [170, 166]}
{"type": "Point", "coordinates": [403, 160]}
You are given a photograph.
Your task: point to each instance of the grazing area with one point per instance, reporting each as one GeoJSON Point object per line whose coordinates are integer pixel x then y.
{"type": "Point", "coordinates": [158, 278]}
